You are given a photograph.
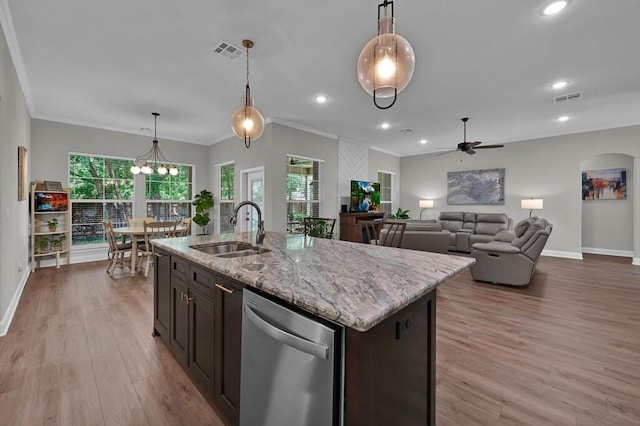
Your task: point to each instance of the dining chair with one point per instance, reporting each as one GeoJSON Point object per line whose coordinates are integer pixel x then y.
{"type": "Point", "coordinates": [382, 233]}
{"type": "Point", "coordinates": [117, 252]}
{"type": "Point", "coordinates": [185, 224]}
{"type": "Point", "coordinates": [154, 230]}
{"type": "Point", "coordinates": [318, 227]}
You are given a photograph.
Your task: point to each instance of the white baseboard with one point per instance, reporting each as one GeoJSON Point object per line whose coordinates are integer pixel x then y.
{"type": "Point", "coordinates": [636, 261]}
{"type": "Point", "coordinates": [607, 252]}
{"type": "Point", "coordinates": [565, 254]}
{"type": "Point", "coordinates": [13, 305]}
{"type": "Point", "coordinates": [80, 254]}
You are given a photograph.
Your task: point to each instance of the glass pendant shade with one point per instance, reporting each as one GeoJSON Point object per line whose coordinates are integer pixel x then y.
{"type": "Point", "coordinates": [162, 170]}
{"type": "Point", "coordinates": [386, 64]}
{"type": "Point", "coordinates": [173, 171]}
{"type": "Point", "coordinates": [135, 169]}
{"type": "Point", "coordinates": [246, 121]}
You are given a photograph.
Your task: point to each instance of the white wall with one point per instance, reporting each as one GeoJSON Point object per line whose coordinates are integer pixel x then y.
{"type": "Point", "coordinates": [548, 168]}
{"type": "Point", "coordinates": [15, 130]}
{"type": "Point", "coordinates": [270, 151]}
{"type": "Point", "coordinates": [607, 224]}
{"type": "Point", "coordinates": [52, 142]}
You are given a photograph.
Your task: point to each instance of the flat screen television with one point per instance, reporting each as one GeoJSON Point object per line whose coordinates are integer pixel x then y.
{"type": "Point", "coordinates": [365, 196]}
{"type": "Point", "coordinates": [51, 202]}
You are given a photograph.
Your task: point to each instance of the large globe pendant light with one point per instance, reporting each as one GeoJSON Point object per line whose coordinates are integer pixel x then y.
{"type": "Point", "coordinates": [247, 122]}
{"type": "Point", "coordinates": [386, 63]}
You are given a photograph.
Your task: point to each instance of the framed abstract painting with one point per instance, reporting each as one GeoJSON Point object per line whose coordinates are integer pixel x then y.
{"type": "Point", "coordinates": [604, 184]}
{"type": "Point", "coordinates": [485, 186]}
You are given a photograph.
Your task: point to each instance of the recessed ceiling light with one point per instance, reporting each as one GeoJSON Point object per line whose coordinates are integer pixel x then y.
{"type": "Point", "coordinates": [555, 7]}
{"type": "Point", "coordinates": [559, 84]}
{"type": "Point", "coordinates": [423, 141]}
{"type": "Point", "coordinates": [563, 118]}
{"type": "Point", "coordinates": [321, 99]}
{"type": "Point", "coordinates": [385, 125]}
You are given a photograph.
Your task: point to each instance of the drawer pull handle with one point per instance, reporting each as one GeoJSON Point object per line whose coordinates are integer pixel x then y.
{"type": "Point", "coordinates": [181, 296]}
{"type": "Point", "coordinates": [188, 299]}
{"type": "Point", "coordinates": [223, 288]}
{"type": "Point", "coordinates": [158, 254]}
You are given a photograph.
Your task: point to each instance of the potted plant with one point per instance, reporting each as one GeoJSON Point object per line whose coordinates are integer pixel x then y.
{"type": "Point", "coordinates": [203, 202]}
{"type": "Point", "coordinates": [52, 224]}
{"type": "Point", "coordinates": [400, 214]}
{"type": "Point", "coordinates": [56, 243]}
{"type": "Point", "coordinates": [43, 245]}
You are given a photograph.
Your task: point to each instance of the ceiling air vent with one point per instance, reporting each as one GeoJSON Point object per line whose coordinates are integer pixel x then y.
{"type": "Point", "coordinates": [568, 97]}
{"type": "Point", "coordinates": [405, 131]}
{"type": "Point", "coordinates": [228, 50]}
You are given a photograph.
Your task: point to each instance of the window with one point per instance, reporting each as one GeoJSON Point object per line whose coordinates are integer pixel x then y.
{"type": "Point", "coordinates": [227, 197]}
{"type": "Point", "coordinates": [101, 188]}
{"type": "Point", "coordinates": [385, 192]}
{"type": "Point", "coordinates": [169, 197]}
{"type": "Point", "coordinates": [303, 191]}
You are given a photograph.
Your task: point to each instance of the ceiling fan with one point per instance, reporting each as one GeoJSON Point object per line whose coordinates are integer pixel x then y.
{"type": "Point", "coordinates": [469, 147]}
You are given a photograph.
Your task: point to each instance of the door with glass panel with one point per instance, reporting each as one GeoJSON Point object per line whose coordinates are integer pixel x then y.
{"type": "Point", "coordinates": [253, 187]}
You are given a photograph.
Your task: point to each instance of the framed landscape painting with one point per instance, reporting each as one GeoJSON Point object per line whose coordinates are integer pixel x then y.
{"type": "Point", "coordinates": [485, 186]}
{"type": "Point", "coordinates": [604, 184]}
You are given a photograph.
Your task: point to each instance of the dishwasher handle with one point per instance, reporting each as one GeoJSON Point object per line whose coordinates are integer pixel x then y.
{"type": "Point", "coordinates": [307, 346]}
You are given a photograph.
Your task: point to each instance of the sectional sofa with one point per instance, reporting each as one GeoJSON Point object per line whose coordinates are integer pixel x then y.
{"type": "Point", "coordinates": [467, 228]}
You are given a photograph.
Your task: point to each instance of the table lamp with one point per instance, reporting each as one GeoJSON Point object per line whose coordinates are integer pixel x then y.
{"type": "Point", "coordinates": [531, 204]}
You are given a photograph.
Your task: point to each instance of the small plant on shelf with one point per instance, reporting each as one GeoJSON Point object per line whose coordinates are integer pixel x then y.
{"type": "Point", "coordinates": [56, 243]}
{"type": "Point", "coordinates": [52, 224]}
{"type": "Point", "coordinates": [42, 245]}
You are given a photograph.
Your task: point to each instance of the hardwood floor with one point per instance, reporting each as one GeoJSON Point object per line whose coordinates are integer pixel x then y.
{"type": "Point", "coordinates": [564, 350]}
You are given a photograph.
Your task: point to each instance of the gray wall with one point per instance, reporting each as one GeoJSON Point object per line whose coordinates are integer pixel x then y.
{"type": "Point", "coordinates": [270, 151]}
{"type": "Point", "coordinates": [548, 168]}
{"type": "Point", "coordinates": [15, 130]}
{"type": "Point", "coordinates": [52, 142]}
{"type": "Point", "coordinates": [607, 224]}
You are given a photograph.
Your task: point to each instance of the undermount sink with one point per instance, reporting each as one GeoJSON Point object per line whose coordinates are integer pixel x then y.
{"type": "Point", "coordinates": [230, 249]}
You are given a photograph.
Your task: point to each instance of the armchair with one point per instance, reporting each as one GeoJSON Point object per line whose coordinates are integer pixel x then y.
{"type": "Point", "coordinates": [513, 260]}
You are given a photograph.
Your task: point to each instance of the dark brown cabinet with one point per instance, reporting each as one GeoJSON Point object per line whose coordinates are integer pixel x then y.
{"type": "Point", "coordinates": [179, 324]}
{"type": "Point", "coordinates": [228, 337]}
{"type": "Point", "coordinates": [162, 295]}
{"type": "Point", "coordinates": [350, 226]}
{"type": "Point", "coordinates": [199, 316]}
{"type": "Point", "coordinates": [201, 346]}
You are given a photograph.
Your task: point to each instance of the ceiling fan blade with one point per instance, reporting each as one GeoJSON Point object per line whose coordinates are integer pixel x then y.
{"type": "Point", "coordinates": [489, 146]}
{"type": "Point", "coordinates": [473, 144]}
{"type": "Point", "coordinates": [446, 152]}
{"type": "Point", "coordinates": [470, 151]}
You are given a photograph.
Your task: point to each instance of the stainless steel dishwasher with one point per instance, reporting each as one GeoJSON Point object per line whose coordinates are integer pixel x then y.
{"type": "Point", "coordinates": [291, 366]}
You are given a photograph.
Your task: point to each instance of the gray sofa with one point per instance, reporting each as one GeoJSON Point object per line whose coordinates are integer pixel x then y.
{"type": "Point", "coordinates": [467, 228]}
{"type": "Point", "coordinates": [513, 260]}
{"type": "Point", "coordinates": [423, 235]}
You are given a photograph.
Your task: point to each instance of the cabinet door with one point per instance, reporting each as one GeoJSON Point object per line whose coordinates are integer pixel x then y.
{"type": "Point", "coordinates": [179, 319]}
{"type": "Point", "coordinates": [228, 331]}
{"type": "Point", "coordinates": [162, 295]}
{"type": "Point", "coordinates": [201, 323]}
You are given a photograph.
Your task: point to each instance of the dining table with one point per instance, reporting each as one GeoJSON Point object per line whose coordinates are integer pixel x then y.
{"type": "Point", "coordinates": [136, 232]}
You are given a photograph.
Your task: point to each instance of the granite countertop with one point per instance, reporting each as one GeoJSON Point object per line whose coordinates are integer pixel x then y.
{"type": "Point", "coordinates": [356, 285]}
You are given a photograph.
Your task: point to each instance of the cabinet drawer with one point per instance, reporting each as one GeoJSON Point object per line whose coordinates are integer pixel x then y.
{"type": "Point", "coordinates": [180, 268]}
{"type": "Point", "coordinates": [202, 280]}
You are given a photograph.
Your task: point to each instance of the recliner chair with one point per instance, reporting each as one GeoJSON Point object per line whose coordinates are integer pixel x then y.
{"type": "Point", "coordinates": [512, 258]}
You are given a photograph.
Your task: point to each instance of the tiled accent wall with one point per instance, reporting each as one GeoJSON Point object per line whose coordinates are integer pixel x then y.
{"type": "Point", "coordinates": [353, 160]}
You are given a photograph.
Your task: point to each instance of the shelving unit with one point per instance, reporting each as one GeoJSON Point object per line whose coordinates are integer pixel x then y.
{"type": "Point", "coordinates": [47, 206]}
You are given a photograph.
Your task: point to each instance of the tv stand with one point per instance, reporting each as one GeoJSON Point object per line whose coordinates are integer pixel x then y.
{"type": "Point", "coordinates": [349, 226]}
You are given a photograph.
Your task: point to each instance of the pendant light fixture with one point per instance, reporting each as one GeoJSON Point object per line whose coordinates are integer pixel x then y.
{"type": "Point", "coordinates": [143, 163]}
{"type": "Point", "coordinates": [247, 122]}
{"type": "Point", "coordinates": [386, 63]}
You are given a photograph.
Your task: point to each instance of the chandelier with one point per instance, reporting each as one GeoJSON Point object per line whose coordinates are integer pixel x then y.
{"type": "Point", "coordinates": [386, 63]}
{"type": "Point", "coordinates": [153, 157]}
{"type": "Point", "coordinates": [247, 122]}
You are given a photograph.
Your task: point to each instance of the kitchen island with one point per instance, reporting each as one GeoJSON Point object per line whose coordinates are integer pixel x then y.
{"type": "Point", "coordinates": [384, 297]}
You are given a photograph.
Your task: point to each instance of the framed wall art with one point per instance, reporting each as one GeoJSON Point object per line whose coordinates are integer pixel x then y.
{"type": "Point", "coordinates": [604, 184]}
{"type": "Point", "coordinates": [485, 187]}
